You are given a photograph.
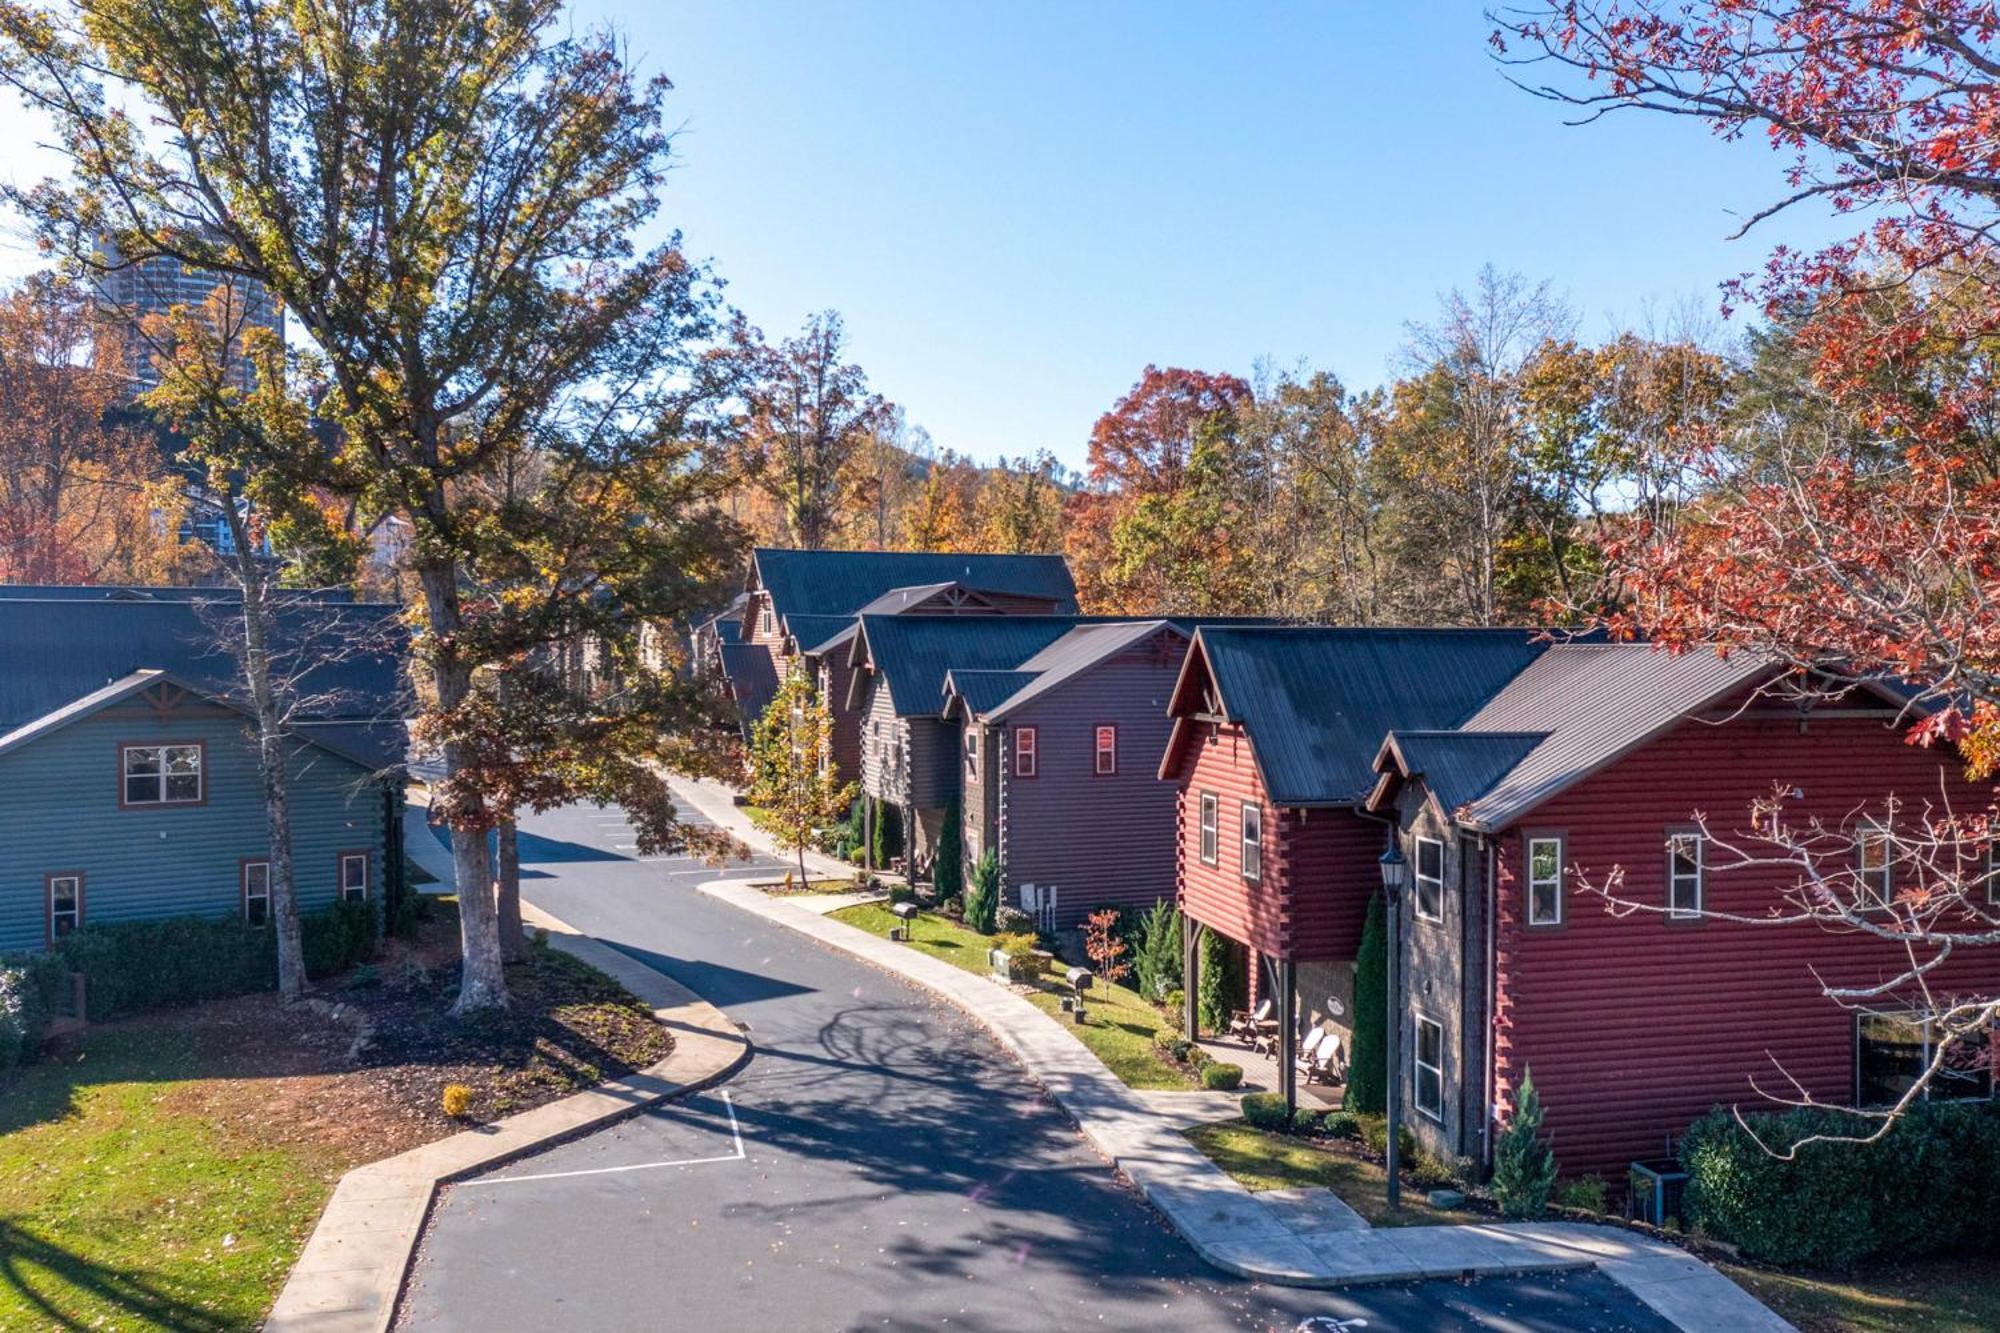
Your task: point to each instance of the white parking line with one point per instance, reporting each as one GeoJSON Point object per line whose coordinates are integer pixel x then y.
{"type": "Point", "coordinates": [735, 1134]}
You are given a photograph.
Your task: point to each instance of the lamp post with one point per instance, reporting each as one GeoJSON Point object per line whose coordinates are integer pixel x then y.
{"type": "Point", "coordinates": [1394, 871]}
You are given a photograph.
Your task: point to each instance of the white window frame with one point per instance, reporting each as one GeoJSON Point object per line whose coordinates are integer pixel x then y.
{"type": "Point", "coordinates": [767, 619]}
{"type": "Point", "coordinates": [1418, 1068]}
{"type": "Point", "coordinates": [74, 878]}
{"type": "Point", "coordinates": [1436, 882]}
{"type": "Point", "coordinates": [1675, 877]}
{"type": "Point", "coordinates": [1100, 751]}
{"type": "Point", "coordinates": [159, 752]}
{"type": "Point", "coordinates": [1210, 845]}
{"type": "Point", "coordinates": [1027, 752]}
{"type": "Point", "coordinates": [1250, 842]}
{"type": "Point", "coordinates": [249, 897]}
{"type": "Point", "coordinates": [1530, 880]}
{"type": "Point", "coordinates": [347, 893]}
{"type": "Point", "coordinates": [1875, 896]}
{"type": "Point", "coordinates": [972, 753]}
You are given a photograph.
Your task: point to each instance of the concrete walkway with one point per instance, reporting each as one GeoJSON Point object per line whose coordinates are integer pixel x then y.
{"type": "Point", "coordinates": [351, 1272]}
{"type": "Point", "coordinates": [1289, 1238]}
{"type": "Point", "coordinates": [717, 804]}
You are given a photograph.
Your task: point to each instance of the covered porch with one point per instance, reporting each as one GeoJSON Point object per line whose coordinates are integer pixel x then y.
{"type": "Point", "coordinates": [1288, 1027]}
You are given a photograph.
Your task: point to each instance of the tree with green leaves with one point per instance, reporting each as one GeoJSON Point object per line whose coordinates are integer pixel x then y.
{"type": "Point", "coordinates": [1368, 1062]}
{"type": "Point", "coordinates": [444, 196]}
{"type": "Point", "coordinates": [791, 766]}
{"type": "Point", "coordinates": [1158, 962]}
{"type": "Point", "coordinates": [888, 833]}
{"type": "Point", "coordinates": [982, 901]}
{"type": "Point", "coordinates": [948, 871]}
{"type": "Point", "coordinates": [1524, 1165]}
{"type": "Point", "coordinates": [1212, 996]}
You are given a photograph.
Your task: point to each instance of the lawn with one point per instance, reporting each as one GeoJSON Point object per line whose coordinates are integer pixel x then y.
{"type": "Point", "coordinates": [1946, 1295]}
{"type": "Point", "coordinates": [1263, 1161]}
{"type": "Point", "coordinates": [1120, 1025]}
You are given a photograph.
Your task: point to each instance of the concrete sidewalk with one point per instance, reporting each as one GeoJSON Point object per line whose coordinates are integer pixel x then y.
{"type": "Point", "coordinates": [717, 804]}
{"type": "Point", "coordinates": [1296, 1238]}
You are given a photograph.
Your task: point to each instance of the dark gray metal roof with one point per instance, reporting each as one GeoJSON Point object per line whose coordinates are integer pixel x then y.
{"type": "Point", "coordinates": [981, 692]}
{"type": "Point", "coordinates": [752, 676]}
{"type": "Point", "coordinates": [898, 600]}
{"type": "Point", "coordinates": [1458, 766]}
{"type": "Point", "coordinates": [817, 634]}
{"type": "Point", "coordinates": [130, 592]}
{"type": "Point", "coordinates": [1596, 701]}
{"type": "Point", "coordinates": [346, 658]}
{"type": "Point", "coordinates": [1317, 701]}
{"type": "Point", "coordinates": [841, 583]}
{"type": "Point", "coordinates": [914, 654]}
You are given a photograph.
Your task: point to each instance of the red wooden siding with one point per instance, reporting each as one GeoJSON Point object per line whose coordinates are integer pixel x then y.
{"type": "Point", "coordinates": [1634, 1026]}
{"type": "Point", "coordinates": [846, 721]}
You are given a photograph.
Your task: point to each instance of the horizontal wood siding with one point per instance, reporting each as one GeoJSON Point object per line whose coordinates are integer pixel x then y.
{"type": "Point", "coordinates": [61, 797]}
{"type": "Point", "coordinates": [934, 761]}
{"type": "Point", "coordinates": [1636, 1025]}
{"type": "Point", "coordinates": [1218, 895]}
{"type": "Point", "coordinates": [834, 676]}
{"type": "Point", "coordinates": [1100, 839]}
{"type": "Point", "coordinates": [1331, 864]}
{"type": "Point", "coordinates": [881, 740]}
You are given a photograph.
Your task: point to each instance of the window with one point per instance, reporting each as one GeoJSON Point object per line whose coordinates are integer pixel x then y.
{"type": "Point", "coordinates": [1107, 751]}
{"type": "Point", "coordinates": [1993, 875]}
{"type": "Point", "coordinates": [1253, 840]}
{"type": "Point", "coordinates": [1208, 824]}
{"type": "Point", "coordinates": [1429, 1078]}
{"type": "Point", "coordinates": [766, 622]}
{"type": "Point", "coordinates": [1545, 881]}
{"type": "Point", "coordinates": [1430, 880]}
{"type": "Point", "coordinates": [972, 754]}
{"type": "Point", "coordinates": [1891, 1051]}
{"type": "Point", "coordinates": [1027, 759]}
{"type": "Point", "coordinates": [256, 892]}
{"type": "Point", "coordinates": [162, 775]}
{"type": "Point", "coordinates": [353, 876]}
{"type": "Point", "coordinates": [1877, 868]}
{"type": "Point", "coordinates": [1684, 876]}
{"type": "Point", "coordinates": [65, 904]}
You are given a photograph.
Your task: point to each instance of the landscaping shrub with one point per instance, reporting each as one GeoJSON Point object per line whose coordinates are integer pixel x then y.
{"type": "Point", "coordinates": [28, 994]}
{"type": "Point", "coordinates": [1524, 1167]}
{"type": "Point", "coordinates": [1368, 1061]}
{"type": "Point", "coordinates": [1013, 921]}
{"type": "Point", "coordinates": [1156, 962]}
{"type": "Point", "coordinates": [1265, 1110]}
{"type": "Point", "coordinates": [1930, 1185]}
{"type": "Point", "coordinates": [1375, 1133]}
{"type": "Point", "coordinates": [1219, 1077]}
{"type": "Point", "coordinates": [853, 840]}
{"type": "Point", "coordinates": [888, 834]}
{"type": "Point", "coordinates": [1306, 1121]}
{"type": "Point", "coordinates": [901, 893]}
{"type": "Point", "coordinates": [134, 966]}
{"type": "Point", "coordinates": [1428, 1172]}
{"type": "Point", "coordinates": [1590, 1194]}
{"type": "Point", "coordinates": [1213, 1001]}
{"type": "Point", "coordinates": [1341, 1125]}
{"type": "Point", "coordinates": [1174, 1002]}
{"type": "Point", "coordinates": [948, 871]}
{"type": "Point", "coordinates": [982, 900]}
{"type": "Point", "coordinates": [1023, 962]}
{"type": "Point", "coordinates": [457, 1100]}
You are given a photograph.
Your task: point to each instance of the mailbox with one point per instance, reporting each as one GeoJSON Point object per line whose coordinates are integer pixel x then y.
{"type": "Point", "coordinates": [1079, 979]}
{"type": "Point", "coordinates": [905, 913]}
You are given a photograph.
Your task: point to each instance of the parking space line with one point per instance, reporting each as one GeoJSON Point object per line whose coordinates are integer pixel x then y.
{"type": "Point", "coordinates": [735, 1134]}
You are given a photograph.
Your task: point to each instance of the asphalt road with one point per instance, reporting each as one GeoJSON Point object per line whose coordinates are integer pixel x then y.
{"type": "Point", "coordinates": [879, 1164]}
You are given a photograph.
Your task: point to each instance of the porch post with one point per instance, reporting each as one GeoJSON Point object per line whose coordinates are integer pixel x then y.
{"type": "Point", "coordinates": [1191, 977]}
{"type": "Point", "coordinates": [1288, 1032]}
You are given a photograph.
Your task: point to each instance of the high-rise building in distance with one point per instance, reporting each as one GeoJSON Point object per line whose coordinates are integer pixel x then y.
{"type": "Point", "coordinates": [154, 286]}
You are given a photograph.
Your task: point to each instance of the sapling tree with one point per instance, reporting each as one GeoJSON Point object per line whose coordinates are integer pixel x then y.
{"type": "Point", "coordinates": [1105, 947]}
{"type": "Point", "coordinates": [1524, 1165]}
{"type": "Point", "coordinates": [791, 766]}
{"type": "Point", "coordinates": [982, 901]}
{"type": "Point", "coordinates": [1368, 1063]}
{"type": "Point", "coordinates": [948, 872]}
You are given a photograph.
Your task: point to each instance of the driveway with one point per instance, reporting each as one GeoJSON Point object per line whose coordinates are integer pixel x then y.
{"type": "Point", "coordinates": [879, 1164]}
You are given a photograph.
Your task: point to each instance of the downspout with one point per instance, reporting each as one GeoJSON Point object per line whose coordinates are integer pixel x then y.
{"type": "Point", "coordinates": [1492, 997]}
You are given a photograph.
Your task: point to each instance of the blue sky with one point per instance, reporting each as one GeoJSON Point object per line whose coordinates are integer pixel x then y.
{"type": "Point", "coordinates": [1018, 207]}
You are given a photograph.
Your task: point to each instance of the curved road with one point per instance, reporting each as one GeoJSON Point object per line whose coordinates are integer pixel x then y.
{"type": "Point", "coordinates": [879, 1164]}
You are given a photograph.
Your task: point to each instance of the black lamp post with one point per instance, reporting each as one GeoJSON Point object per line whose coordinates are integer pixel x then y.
{"type": "Point", "coordinates": [1395, 871]}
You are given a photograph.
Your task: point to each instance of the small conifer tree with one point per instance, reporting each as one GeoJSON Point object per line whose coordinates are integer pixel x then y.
{"type": "Point", "coordinates": [1524, 1166]}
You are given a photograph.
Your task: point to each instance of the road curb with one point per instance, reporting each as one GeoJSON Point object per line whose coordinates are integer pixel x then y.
{"type": "Point", "coordinates": [350, 1276]}
{"type": "Point", "coordinates": [1223, 1222]}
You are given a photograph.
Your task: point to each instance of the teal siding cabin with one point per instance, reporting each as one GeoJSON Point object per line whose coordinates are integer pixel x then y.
{"type": "Point", "coordinates": [128, 770]}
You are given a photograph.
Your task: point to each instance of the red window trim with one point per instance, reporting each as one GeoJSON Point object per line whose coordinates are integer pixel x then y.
{"type": "Point", "coordinates": [124, 804]}
{"type": "Point", "coordinates": [49, 902]}
{"type": "Point", "coordinates": [1032, 754]}
{"type": "Point", "coordinates": [340, 873]}
{"type": "Point", "coordinates": [1097, 750]}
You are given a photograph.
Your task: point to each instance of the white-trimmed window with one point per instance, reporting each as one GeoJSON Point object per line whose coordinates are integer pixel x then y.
{"type": "Point", "coordinates": [1210, 815]}
{"type": "Point", "coordinates": [972, 753]}
{"type": "Point", "coordinates": [162, 774]}
{"type": "Point", "coordinates": [1685, 887]}
{"type": "Point", "coordinates": [1253, 840]}
{"type": "Point", "coordinates": [1430, 879]}
{"type": "Point", "coordinates": [65, 896]}
{"type": "Point", "coordinates": [1875, 854]}
{"type": "Point", "coordinates": [1027, 757]}
{"type": "Point", "coordinates": [1545, 881]}
{"type": "Point", "coordinates": [1427, 1084]}
{"type": "Point", "coordinates": [1107, 751]}
{"type": "Point", "coordinates": [767, 621]}
{"type": "Point", "coordinates": [353, 877]}
{"type": "Point", "coordinates": [256, 892]}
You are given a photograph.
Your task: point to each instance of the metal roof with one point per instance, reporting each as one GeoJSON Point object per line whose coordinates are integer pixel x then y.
{"type": "Point", "coordinates": [55, 651]}
{"type": "Point", "coordinates": [817, 634]}
{"type": "Point", "coordinates": [136, 592]}
{"type": "Point", "coordinates": [1596, 701]}
{"type": "Point", "coordinates": [981, 692]}
{"type": "Point", "coordinates": [914, 654]}
{"type": "Point", "coordinates": [1457, 766]}
{"type": "Point", "coordinates": [841, 583]}
{"type": "Point", "coordinates": [1317, 701]}
{"type": "Point", "coordinates": [752, 676]}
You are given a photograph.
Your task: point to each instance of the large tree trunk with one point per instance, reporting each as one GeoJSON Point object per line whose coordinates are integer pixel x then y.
{"type": "Point", "coordinates": [513, 943]}
{"type": "Point", "coordinates": [482, 980]}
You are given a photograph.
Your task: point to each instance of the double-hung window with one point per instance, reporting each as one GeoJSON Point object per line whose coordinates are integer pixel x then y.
{"type": "Point", "coordinates": [1209, 810]}
{"type": "Point", "coordinates": [1107, 751]}
{"type": "Point", "coordinates": [1428, 1084]}
{"type": "Point", "coordinates": [161, 774]}
{"type": "Point", "coordinates": [1684, 876]}
{"type": "Point", "coordinates": [1993, 875]}
{"type": "Point", "coordinates": [1253, 840]}
{"type": "Point", "coordinates": [972, 753]}
{"type": "Point", "coordinates": [1545, 881]}
{"type": "Point", "coordinates": [65, 893]}
{"type": "Point", "coordinates": [353, 877]}
{"type": "Point", "coordinates": [256, 892]}
{"type": "Point", "coordinates": [1876, 868]}
{"type": "Point", "coordinates": [1430, 879]}
{"type": "Point", "coordinates": [1027, 758]}
{"type": "Point", "coordinates": [1892, 1051]}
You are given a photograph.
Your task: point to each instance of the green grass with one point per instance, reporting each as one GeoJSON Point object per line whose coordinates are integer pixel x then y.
{"type": "Point", "coordinates": [1263, 1161]}
{"type": "Point", "coordinates": [120, 1209]}
{"type": "Point", "coordinates": [1120, 1025]}
{"type": "Point", "coordinates": [1948, 1295]}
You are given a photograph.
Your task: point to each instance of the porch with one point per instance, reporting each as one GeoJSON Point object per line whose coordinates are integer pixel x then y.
{"type": "Point", "coordinates": [1290, 1035]}
{"type": "Point", "coordinates": [1262, 1074]}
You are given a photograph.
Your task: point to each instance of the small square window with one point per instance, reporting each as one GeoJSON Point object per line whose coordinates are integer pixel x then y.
{"type": "Point", "coordinates": [1430, 879]}
{"type": "Point", "coordinates": [1107, 751]}
{"type": "Point", "coordinates": [1253, 840]}
{"type": "Point", "coordinates": [1545, 881]}
{"type": "Point", "coordinates": [353, 876]}
{"type": "Point", "coordinates": [1027, 758]}
{"type": "Point", "coordinates": [1209, 813]}
{"type": "Point", "coordinates": [1428, 1083]}
{"type": "Point", "coordinates": [256, 892]}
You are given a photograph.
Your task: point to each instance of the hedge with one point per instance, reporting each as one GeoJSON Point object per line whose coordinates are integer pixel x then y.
{"type": "Point", "coordinates": [134, 966]}
{"type": "Point", "coordinates": [29, 986]}
{"type": "Point", "coordinates": [1930, 1185]}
